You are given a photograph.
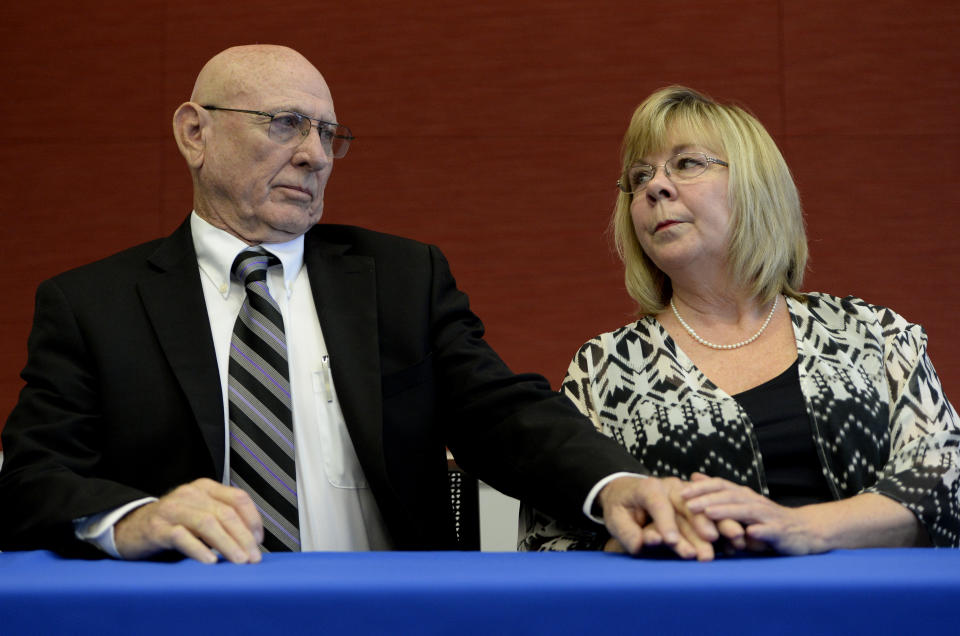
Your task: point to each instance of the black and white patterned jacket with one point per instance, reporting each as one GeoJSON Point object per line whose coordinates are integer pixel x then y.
{"type": "Point", "coordinates": [878, 415]}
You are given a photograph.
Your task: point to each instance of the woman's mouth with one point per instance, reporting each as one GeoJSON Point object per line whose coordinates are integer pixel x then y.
{"type": "Point", "coordinates": [665, 224]}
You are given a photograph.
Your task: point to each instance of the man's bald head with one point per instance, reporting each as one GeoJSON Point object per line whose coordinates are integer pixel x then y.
{"type": "Point", "coordinates": [242, 71]}
{"type": "Point", "coordinates": [246, 182]}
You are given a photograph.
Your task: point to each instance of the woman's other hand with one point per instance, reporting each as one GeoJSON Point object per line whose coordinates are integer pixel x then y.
{"type": "Point", "coordinates": [865, 520]}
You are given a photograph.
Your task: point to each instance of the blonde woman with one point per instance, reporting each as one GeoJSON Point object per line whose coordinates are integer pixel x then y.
{"type": "Point", "coordinates": [789, 421]}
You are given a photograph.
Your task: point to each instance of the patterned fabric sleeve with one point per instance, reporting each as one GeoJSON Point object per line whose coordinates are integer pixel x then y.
{"type": "Point", "coordinates": [923, 472]}
{"type": "Point", "coordinates": [578, 383]}
{"type": "Point", "coordinates": [539, 532]}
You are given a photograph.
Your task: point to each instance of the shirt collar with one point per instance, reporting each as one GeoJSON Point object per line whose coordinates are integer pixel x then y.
{"type": "Point", "coordinates": [217, 249]}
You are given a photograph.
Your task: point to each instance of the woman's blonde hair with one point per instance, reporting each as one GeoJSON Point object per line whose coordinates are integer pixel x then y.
{"type": "Point", "coordinates": [768, 243]}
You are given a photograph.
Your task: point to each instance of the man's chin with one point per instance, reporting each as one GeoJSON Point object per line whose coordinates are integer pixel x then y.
{"type": "Point", "coordinates": [290, 226]}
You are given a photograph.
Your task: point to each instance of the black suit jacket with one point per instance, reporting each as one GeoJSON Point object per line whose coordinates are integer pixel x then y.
{"type": "Point", "coordinates": [123, 397]}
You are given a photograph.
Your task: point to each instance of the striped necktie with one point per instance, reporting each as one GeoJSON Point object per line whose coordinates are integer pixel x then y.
{"type": "Point", "coordinates": [262, 458]}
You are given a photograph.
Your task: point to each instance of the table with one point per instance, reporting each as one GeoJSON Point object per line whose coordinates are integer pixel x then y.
{"type": "Point", "coordinates": [865, 591]}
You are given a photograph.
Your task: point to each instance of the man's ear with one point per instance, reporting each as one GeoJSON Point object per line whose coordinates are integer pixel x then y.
{"type": "Point", "coordinates": [189, 122]}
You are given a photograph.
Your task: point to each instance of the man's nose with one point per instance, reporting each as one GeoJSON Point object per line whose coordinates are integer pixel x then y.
{"type": "Point", "coordinates": [312, 152]}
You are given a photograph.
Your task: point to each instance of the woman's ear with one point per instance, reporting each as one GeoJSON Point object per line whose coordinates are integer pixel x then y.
{"type": "Point", "coordinates": [189, 122]}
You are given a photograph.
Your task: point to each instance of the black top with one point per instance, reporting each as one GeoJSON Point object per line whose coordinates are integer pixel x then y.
{"type": "Point", "coordinates": [782, 424]}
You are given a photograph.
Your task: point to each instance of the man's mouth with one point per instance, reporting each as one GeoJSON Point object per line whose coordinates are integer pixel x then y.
{"type": "Point", "coordinates": [298, 189]}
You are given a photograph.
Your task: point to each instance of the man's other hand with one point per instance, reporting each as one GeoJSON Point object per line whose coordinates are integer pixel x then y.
{"type": "Point", "coordinates": [195, 519]}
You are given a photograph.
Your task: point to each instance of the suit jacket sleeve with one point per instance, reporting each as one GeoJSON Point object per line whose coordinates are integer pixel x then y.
{"type": "Point", "coordinates": [511, 430]}
{"type": "Point", "coordinates": [103, 419]}
{"type": "Point", "coordinates": [52, 435]}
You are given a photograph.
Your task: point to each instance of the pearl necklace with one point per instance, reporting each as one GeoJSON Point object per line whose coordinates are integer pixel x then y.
{"type": "Point", "coordinates": [729, 346]}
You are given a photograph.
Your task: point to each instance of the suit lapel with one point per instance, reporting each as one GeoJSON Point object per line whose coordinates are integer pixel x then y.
{"type": "Point", "coordinates": [174, 302]}
{"type": "Point", "coordinates": [345, 295]}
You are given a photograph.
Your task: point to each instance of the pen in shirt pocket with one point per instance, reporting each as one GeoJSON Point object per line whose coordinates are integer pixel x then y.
{"type": "Point", "coordinates": [325, 377]}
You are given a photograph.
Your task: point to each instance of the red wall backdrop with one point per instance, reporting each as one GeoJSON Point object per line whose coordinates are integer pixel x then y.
{"type": "Point", "coordinates": [493, 129]}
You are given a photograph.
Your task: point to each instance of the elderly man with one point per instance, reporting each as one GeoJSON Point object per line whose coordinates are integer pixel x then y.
{"type": "Point", "coordinates": [256, 378]}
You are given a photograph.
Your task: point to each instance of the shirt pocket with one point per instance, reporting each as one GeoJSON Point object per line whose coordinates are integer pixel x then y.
{"type": "Point", "coordinates": [340, 462]}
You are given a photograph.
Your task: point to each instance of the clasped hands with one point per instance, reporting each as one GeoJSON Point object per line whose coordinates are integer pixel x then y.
{"type": "Point", "coordinates": [694, 517]}
{"type": "Point", "coordinates": [203, 518]}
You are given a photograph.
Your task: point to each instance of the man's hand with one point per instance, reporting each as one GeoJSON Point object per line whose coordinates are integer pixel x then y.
{"type": "Point", "coordinates": [733, 538]}
{"type": "Point", "coordinates": [194, 519]}
{"type": "Point", "coordinates": [650, 511]}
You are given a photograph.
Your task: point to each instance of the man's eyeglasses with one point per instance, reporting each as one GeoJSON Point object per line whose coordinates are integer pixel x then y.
{"type": "Point", "coordinates": [680, 167]}
{"type": "Point", "coordinates": [287, 126]}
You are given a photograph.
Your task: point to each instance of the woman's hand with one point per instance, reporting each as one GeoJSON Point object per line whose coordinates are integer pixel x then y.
{"type": "Point", "coordinates": [867, 520]}
{"type": "Point", "coordinates": [767, 524]}
{"type": "Point", "coordinates": [746, 520]}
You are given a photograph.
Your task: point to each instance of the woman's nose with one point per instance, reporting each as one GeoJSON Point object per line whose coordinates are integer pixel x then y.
{"type": "Point", "coordinates": [660, 186]}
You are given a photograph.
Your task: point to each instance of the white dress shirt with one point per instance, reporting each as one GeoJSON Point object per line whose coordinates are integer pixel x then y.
{"type": "Point", "coordinates": [337, 508]}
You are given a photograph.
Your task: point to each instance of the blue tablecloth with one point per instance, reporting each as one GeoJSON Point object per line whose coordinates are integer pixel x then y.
{"type": "Point", "coordinates": [866, 591]}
